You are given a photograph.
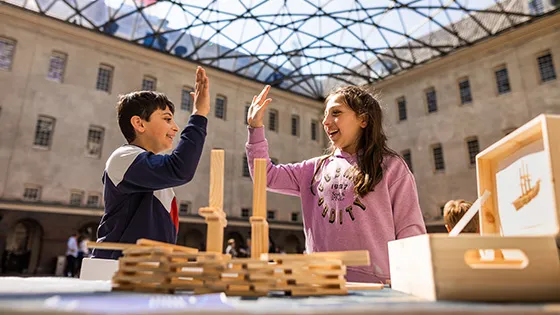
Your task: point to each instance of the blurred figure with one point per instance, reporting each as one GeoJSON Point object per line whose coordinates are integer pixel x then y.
{"type": "Point", "coordinates": [230, 249]}
{"type": "Point", "coordinates": [71, 255]}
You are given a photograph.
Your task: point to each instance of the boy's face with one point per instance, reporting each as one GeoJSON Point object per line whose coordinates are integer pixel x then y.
{"type": "Point", "coordinates": [160, 131]}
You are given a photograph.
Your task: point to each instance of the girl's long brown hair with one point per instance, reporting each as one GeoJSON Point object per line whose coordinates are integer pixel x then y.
{"type": "Point", "coordinates": [372, 145]}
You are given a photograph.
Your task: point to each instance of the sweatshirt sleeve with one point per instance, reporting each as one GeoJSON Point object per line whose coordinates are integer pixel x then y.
{"type": "Point", "coordinates": [136, 170]}
{"type": "Point", "coordinates": [407, 214]}
{"type": "Point", "coordinates": [281, 178]}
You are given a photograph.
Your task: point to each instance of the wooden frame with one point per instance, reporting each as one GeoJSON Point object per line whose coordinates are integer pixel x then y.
{"type": "Point", "coordinates": [516, 257]}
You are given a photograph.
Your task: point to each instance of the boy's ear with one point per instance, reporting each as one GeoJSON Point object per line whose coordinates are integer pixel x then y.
{"type": "Point", "coordinates": [137, 123]}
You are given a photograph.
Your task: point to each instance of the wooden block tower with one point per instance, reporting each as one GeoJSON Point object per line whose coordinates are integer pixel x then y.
{"type": "Point", "coordinates": [259, 225]}
{"type": "Point", "coordinates": [214, 214]}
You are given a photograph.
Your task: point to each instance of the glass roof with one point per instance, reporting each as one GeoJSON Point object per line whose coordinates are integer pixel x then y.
{"type": "Point", "coordinates": [304, 46]}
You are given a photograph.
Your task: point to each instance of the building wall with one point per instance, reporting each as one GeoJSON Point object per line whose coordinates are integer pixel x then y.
{"type": "Point", "coordinates": [489, 117]}
{"type": "Point", "coordinates": [76, 104]}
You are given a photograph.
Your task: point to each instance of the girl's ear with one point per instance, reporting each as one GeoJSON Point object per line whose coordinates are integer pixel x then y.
{"type": "Point", "coordinates": [137, 123]}
{"type": "Point", "coordinates": [363, 121]}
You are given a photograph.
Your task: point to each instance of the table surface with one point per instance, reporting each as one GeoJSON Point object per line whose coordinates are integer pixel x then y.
{"type": "Point", "coordinates": [74, 296]}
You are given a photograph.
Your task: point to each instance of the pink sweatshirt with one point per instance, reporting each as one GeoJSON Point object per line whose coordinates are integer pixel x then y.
{"type": "Point", "coordinates": [334, 218]}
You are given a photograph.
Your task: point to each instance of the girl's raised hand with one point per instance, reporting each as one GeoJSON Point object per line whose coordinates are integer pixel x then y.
{"type": "Point", "coordinates": [258, 106]}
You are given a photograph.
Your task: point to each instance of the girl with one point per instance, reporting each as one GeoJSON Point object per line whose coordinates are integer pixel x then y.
{"type": "Point", "coordinates": [360, 195]}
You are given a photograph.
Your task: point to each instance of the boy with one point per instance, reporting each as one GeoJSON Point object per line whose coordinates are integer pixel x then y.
{"type": "Point", "coordinates": [454, 210]}
{"type": "Point", "coordinates": [139, 199]}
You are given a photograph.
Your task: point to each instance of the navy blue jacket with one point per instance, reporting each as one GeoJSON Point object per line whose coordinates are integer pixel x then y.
{"type": "Point", "coordinates": [139, 199]}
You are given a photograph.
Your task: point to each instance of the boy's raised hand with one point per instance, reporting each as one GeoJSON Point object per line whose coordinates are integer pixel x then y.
{"type": "Point", "coordinates": [201, 94]}
{"type": "Point", "coordinates": [258, 106]}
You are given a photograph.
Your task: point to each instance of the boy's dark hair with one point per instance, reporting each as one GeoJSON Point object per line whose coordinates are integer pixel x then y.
{"type": "Point", "coordinates": [143, 104]}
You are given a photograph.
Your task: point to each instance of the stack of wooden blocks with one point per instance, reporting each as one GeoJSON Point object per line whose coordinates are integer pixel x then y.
{"type": "Point", "coordinates": [151, 266]}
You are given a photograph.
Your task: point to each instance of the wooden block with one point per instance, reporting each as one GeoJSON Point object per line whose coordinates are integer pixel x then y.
{"type": "Point", "coordinates": [212, 213]}
{"type": "Point", "coordinates": [358, 286]}
{"type": "Point", "coordinates": [259, 188]}
{"type": "Point", "coordinates": [265, 242]}
{"type": "Point", "coordinates": [147, 250]}
{"type": "Point", "coordinates": [143, 259]}
{"type": "Point", "coordinates": [245, 293]}
{"type": "Point", "coordinates": [110, 246]}
{"type": "Point", "coordinates": [147, 242]}
{"type": "Point", "coordinates": [348, 258]}
{"type": "Point", "coordinates": [216, 194]}
{"type": "Point", "coordinates": [215, 236]}
{"type": "Point", "coordinates": [318, 292]}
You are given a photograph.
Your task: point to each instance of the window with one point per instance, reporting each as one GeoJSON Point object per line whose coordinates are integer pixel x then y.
{"type": "Point", "coordinates": [536, 7]}
{"type": "Point", "coordinates": [431, 100]}
{"type": "Point", "coordinates": [502, 81]}
{"type": "Point", "coordinates": [104, 78]}
{"type": "Point", "coordinates": [270, 215]}
{"type": "Point", "coordinates": [95, 141]}
{"type": "Point", "coordinates": [407, 158]}
{"type": "Point", "coordinates": [245, 167]}
{"type": "Point", "coordinates": [473, 149]}
{"type": "Point", "coordinates": [185, 208]}
{"type": "Point", "coordinates": [186, 98]}
{"type": "Point", "coordinates": [246, 113]}
{"type": "Point", "coordinates": [546, 68]}
{"type": "Point", "coordinates": [221, 103]}
{"type": "Point", "coordinates": [44, 131]}
{"type": "Point", "coordinates": [465, 91]}
{"type": "Point", "coordinates": [7, 48]}
{"type": "Point", "coordinates": [57, 64]}
{"type": "Point", "coordinates": [295, 216]}
{"type": "Point", "coordinates": [76, 198]}
{"type": "Point", "coordinates": [273, 120]}
{"type": "Point", "coordinates": [401, 105]}
{"type": "Point", "coordinates": [295, 125]}
{"type": "Point", "coordinates": [149, 83]}
{"type": "Point", "coordinates": [93, 200]}
{"type": "Point", "coordinates": [32, 193]}
{"type": "Point", "coordinates": [439, 164]}
{"type": "Point", "coordinates": [245, 212]}
{"type": "Point", "coordinates": [314, 125]}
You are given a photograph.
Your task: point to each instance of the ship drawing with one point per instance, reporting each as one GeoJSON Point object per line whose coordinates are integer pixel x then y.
{"type": "Point", "coordinates": [528, 192]}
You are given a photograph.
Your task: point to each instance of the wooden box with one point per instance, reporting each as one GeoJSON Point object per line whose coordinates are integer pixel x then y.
{"type": "Point", "coordinates": [516, 257]}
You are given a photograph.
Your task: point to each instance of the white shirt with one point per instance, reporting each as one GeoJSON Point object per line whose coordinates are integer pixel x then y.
{"type": "Point", "coordinates": [72, 246]}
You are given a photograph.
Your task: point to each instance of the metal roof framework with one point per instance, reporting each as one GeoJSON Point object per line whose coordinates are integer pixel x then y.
{"type": "Point", "coordinates": [303, 46]}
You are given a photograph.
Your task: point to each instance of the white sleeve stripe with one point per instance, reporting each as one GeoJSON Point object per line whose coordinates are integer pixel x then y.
{"type": "Point", "coordinates": [119, 162]}
{"type": "Point", "coordinates": [165, 196]}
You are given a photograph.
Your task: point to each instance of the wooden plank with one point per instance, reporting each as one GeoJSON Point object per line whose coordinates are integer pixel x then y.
{"type": "Point", "coordinates": [214, 236]}
{"type": "Point", "coordinates": [348, 258]}
{"type": "Point", "coordinates": [358, 286]}
{"type": "Point", "coordinates": [259, 188]}
{"type": "Point", "coordinates": [552, 146]}
{"type": "Point", "coordinates": [147, 242]}
{"type": "Point", "coordinates": [110, 245]}
{"type": "Point", "coordinates": [216, 195]}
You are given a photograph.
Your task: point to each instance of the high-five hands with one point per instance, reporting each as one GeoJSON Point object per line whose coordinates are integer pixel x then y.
{"type": "Point", "coordinates": [258, 106]}
{"type": "Point", "coordinates": [201, 94]}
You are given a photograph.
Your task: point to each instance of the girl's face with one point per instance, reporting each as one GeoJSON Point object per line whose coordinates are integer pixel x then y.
{"type": "Point", "coordinates": [343, 127]}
